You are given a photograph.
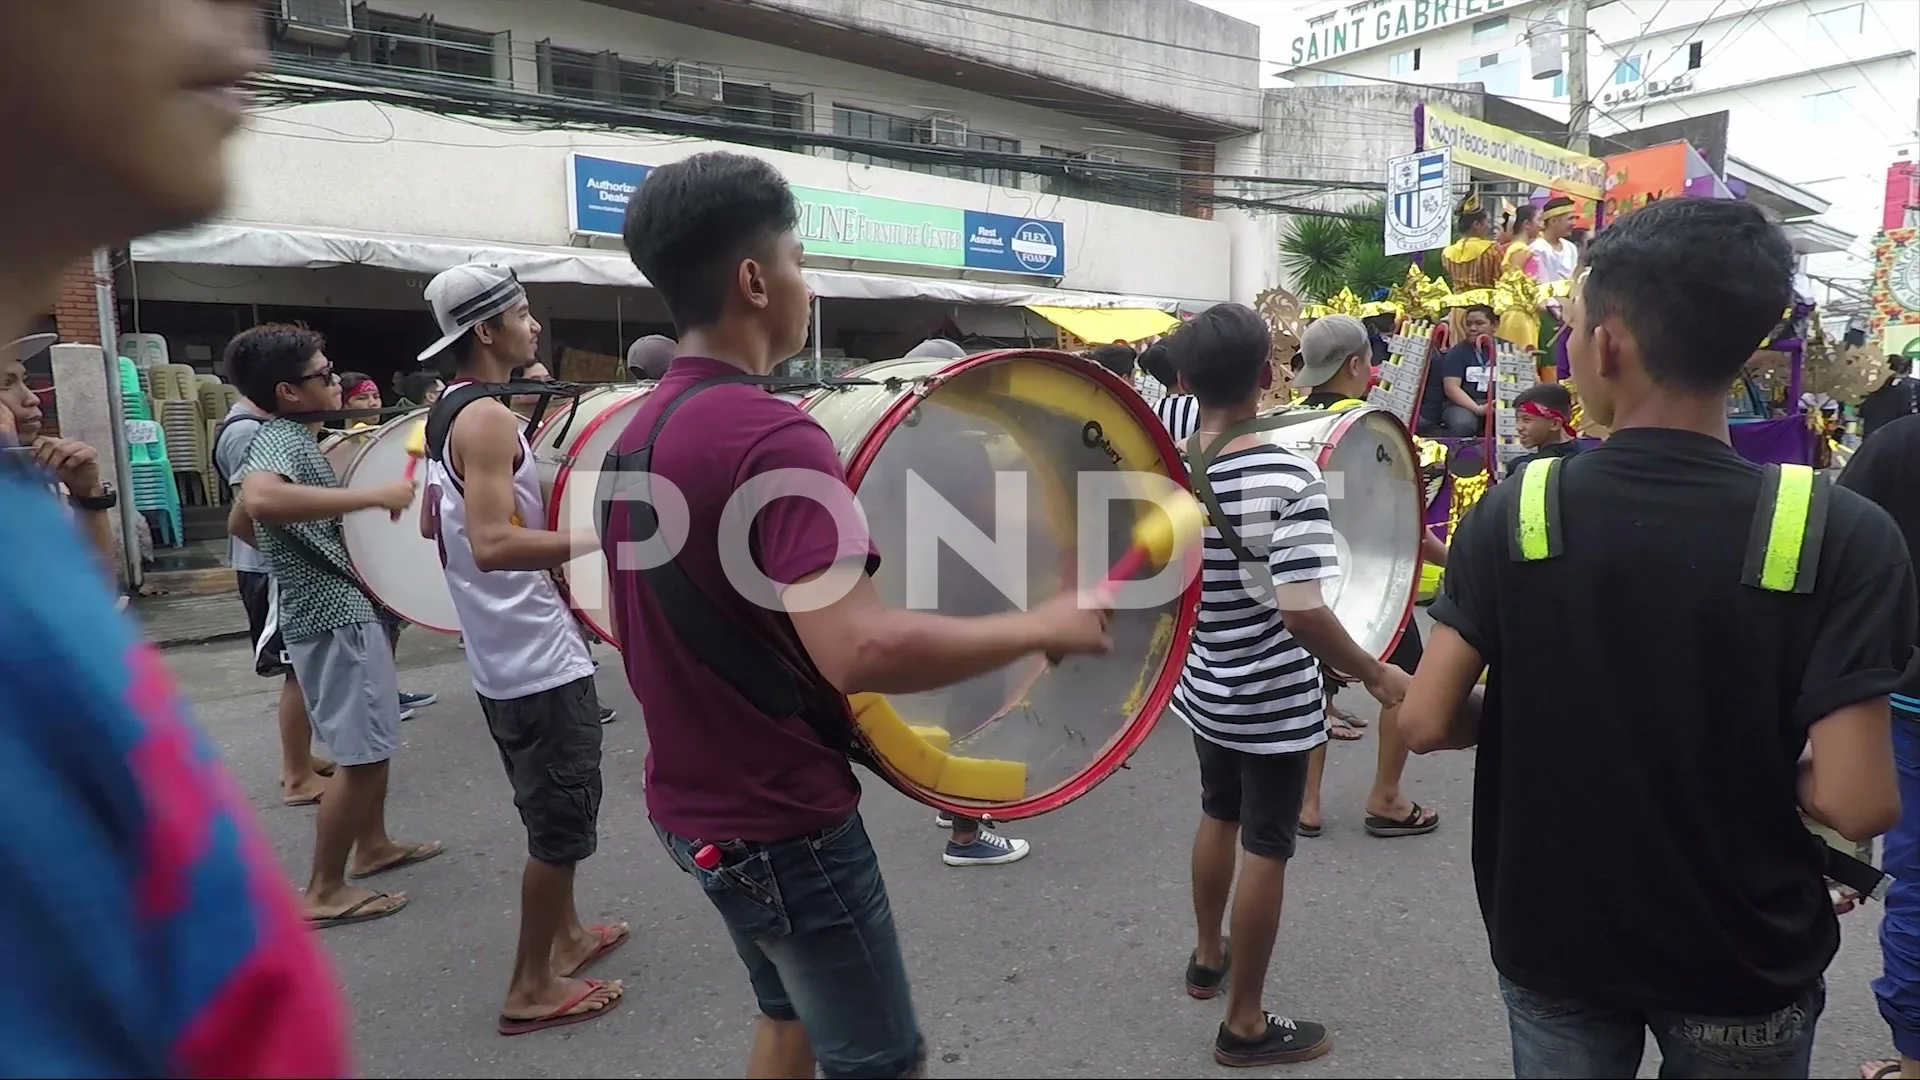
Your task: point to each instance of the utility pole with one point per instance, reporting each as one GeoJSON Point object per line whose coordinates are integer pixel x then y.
{"type": "Point", "coordinates": [1579, 103]}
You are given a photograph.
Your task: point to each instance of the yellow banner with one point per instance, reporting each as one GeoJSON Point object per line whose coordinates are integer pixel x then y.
{"type": "Point", "coordinates": [1480, 145]}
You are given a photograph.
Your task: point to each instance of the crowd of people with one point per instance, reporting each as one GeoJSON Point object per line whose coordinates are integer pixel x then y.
{"type": "Point", "coordinates": [1682, 653]}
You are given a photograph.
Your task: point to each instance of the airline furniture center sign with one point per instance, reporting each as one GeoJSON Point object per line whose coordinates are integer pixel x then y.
{"type": "Point", "coordinates": [1341, 34]}
{"type": "Point", "coordinates": [850, 226]}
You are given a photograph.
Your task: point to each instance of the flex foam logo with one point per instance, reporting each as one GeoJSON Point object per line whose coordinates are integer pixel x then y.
{"type": "Point", "coordinates": [1035, 246]}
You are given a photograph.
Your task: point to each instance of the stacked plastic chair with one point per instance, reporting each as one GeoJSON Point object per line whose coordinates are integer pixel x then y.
{"type": "Point", "coordinates": [155, 493]}
{"type": "Point", "coordinates": [146, 350]}
{"type": "Point", "coordinates": [184, 428]}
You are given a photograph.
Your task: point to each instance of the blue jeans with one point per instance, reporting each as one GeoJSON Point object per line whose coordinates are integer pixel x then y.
{"type": "Point", "coordinates": [1898, 987]}
{"type": "Point", "coordinates": [1558, 1038]}
{"type": "Point", "coordinates": [810, 919]}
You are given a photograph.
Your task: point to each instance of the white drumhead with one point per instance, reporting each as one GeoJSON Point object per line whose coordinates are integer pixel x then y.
{"type": "Point", "coordinates": [569, 451]}
{"type": "Point", "coordinates": [398, 566]}
{"type": "Point", "coordinates": [339, 448]}
{"type": "Point", "coordinates": [1373, 491]}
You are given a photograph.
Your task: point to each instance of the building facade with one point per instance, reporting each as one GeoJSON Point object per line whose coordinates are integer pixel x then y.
{"type": "Point", "coordinates": [956, 160]}
{"type": "Point", "coordinates": [1821, 94]}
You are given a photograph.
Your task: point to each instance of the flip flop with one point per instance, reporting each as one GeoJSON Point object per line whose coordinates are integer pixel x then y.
{"type": "Point", "coordinates": [324, 768]}
{"type": "Point", "coordinates": [561, 1016]}
{"type": "Point", "coordinates": [610, 937]}
{"type": "Point", "coordinates": [1343, 732]}
{"type": "Point", "coordinates": [1880, 1070]}
{"type": "Point", "coordinates": [418, 853]}
{"type": "Point", "coordinates": [358, 913]}
{"type": "Point", "coordinates": [1387, 828]}
{"type": "Point", "coordinates": [309, 800]}
{"type": "Point", "coordinates": [1308, 831]}
{"type": "Point", "coordinates": [1340, 715]}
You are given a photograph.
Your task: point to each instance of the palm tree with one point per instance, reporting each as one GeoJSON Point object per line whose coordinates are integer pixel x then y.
{"type": "Point", "coordinates": [1327, 254]}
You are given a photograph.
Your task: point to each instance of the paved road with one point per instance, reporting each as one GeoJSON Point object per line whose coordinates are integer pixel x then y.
{"type": "Point", "coordinates": [1067, 964]}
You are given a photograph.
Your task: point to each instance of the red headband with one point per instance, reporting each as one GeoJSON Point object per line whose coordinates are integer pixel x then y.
{"type": "Point", "coordinates": [364, 386]}
{"type": "Point", "coordinates": [1534, 408]}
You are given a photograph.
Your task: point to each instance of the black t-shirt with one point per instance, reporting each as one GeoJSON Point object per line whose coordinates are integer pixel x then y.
{"type": "Point", "coordinates": [1559, 449]}
{"type": "Point", "coordinates": [1897, 397]}
{"type": "Point", "coordinates": [1636, 836]}
{"type": "Point", "coordinates": [1886, 469]}
{"type": "Point", "coordinates": [1464, 362]}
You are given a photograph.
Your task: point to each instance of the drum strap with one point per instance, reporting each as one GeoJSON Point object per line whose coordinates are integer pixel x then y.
{"type": "Point", "coordinates": [771, 682]}
{"type": "Point", "coordinates": [1258, 575]}
{"type": "Point", "coordinates": [441, 414]}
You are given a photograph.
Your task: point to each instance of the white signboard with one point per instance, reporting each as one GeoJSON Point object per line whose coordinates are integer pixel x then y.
{"type": "Point", "coordinates": [1420, 201]}
{"type": "Point", "coordinates": [142, 432]}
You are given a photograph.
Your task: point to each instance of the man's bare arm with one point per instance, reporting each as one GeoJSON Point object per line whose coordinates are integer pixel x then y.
{"type": "Point", "coordinates": [1851, 785]}
{"type": "Point", "coordinates": [1442, 710]}
{"type": "Point", "coordinates": [482, 448]}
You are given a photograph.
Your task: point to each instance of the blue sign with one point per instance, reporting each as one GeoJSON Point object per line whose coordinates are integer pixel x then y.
{"type": "Point", "coordinates": [1014, 245]}
{"type": "Point", "coordinates": [600, 189]}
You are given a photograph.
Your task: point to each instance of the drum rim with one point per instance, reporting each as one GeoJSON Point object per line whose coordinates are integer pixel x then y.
{"type": "Point", "coordinates": [1186, 612]}
{"type": "Point", "coordinates": [560, 477]}
{"type": "Point", "coordinates": [1346, 419]}
{"type": "Point", "coordinates": [346, 538]}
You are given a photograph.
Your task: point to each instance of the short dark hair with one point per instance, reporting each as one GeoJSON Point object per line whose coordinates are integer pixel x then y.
{"type": "Point", "coordinates": [1470, 218]}
{"type": "Point", "coordinates": [1116, 358]}
{"type": "Point", "coordinates": [1547, 395]}
{"type": "Point", "coordinates": [348, 379]}
{"type": "Point", "coordinates": [413, 385]}
{"type": "Point", "coordinates": [1157, 362]}
{"type": "Point", "coordinates": [464, 345]}
{"type": "Point", "coordinates": [1221, 352]}
{"type": "Point", "coordinates": [1699, 282]}
{"type": "Point", "coordinates": [692, 222]}
{"type": "Point", "coordinates": [1482, 309]}
{"type": "Point", "coordinates": [1524, 213]}
{"type": "Point", "coordinates": [260, 359]}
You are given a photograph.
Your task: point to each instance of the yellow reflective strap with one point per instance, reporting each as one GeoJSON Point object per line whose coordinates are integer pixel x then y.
{"type": "Point", "coordinates": [1787, 531]}
{"type": "Point", "coordinates": [1533, 508]}
{"type": "Point", "coordinates": [1344, 404]}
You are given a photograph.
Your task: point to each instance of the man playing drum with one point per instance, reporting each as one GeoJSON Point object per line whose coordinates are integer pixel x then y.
{"type": "Point", "coordinates": [1251, 688]}
{"type": "Point", "coordinates": [762, 806]}
{"type": "Point", "coordinates": [530, 664]}
{"type": "Point", "coordinates": [1336, 368]}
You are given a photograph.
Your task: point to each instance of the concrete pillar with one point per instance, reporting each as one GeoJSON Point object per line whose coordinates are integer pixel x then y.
{"type": "Point", "coordinates": [86, 412]}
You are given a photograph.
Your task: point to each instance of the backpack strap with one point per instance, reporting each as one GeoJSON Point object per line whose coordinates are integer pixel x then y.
{"type": "Point", "coordinates": [1534, 531]}
{"type": "Point", "coordinates": [441, 414]}
{"type": "Point", "coordinates": [1259, 574]}
{"type": "Point", "coordinates": [1789, 526]}
{"type": "Point", "coordinates": [770, 681]}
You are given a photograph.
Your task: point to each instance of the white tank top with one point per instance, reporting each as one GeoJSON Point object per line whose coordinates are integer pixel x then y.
{"type": "Point", "coordinates": [521, 636]}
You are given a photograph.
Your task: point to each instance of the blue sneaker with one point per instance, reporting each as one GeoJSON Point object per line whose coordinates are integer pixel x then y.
{"type": "Point", "coordinates": [411, 702]}
{"type": "Point", "coordinates": [987, 849]}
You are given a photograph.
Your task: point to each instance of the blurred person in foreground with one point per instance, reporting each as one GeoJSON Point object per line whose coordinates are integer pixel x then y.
{"type": "Point", "coordinates": [770, 797]}
{"type": "Point", "coordinates": [1662, 648]}
{"type": "Point", "coordinates": [147, 928]}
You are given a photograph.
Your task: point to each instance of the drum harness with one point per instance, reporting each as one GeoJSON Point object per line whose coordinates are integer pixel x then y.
{"type": "Point", "coordinates": [776, 685]}
{"type": "Point", "coordinates": [1783, 556]}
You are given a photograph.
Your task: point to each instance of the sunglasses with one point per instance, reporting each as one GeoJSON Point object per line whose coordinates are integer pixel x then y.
{"type": "Point", "coordinates": [327, 373]}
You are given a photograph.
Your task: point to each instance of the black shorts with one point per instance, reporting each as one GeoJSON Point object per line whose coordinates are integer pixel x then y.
{"type": "Point", "coordinates": [1262, 793]}
{"type": "Point", "coordinates": [1406, 655]}
{"type": "Point", "coordinates": [270, 660]}
{"type": "Point", "coordinates": [550, 745]}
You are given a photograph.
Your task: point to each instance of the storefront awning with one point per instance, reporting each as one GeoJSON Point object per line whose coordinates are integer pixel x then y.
{"type": "Point", "coordinates": [1102, 325]}
{"type": "Point", "coordinates": [264, 246]}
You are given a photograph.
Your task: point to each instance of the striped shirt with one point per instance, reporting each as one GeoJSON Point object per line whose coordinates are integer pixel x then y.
{"type": "Point", "coordinates": [1248, 685]}
{"type": "Point", "coordinates": [1180, 413]}
{"type": "Point", "coordinates": [147, 928]}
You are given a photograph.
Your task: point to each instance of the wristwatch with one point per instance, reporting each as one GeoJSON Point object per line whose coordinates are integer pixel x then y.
{"type": "Point", "coordinates": [106, 500]}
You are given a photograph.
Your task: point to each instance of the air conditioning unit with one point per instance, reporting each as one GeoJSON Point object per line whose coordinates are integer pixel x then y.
{"type": "Point", "coordinates": [1098, 157]}
{"type": "Point", "coordinates": [1678, 84]}
{"type": "Point", "coordinates": [317, 22]}
{"type": "Point", "coordinates": [695, 86]}
{"type": "Point", "coordinates": [942, 130]}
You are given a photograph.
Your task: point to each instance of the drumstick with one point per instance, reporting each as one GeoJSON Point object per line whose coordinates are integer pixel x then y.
{"type": "Point", "coordinates": [1168, 529]}
{"type": "Point", "coordinates": [416, 449]}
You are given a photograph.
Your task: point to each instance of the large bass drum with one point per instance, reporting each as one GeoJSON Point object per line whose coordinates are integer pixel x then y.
{"type": "Point", "coordinates": [1378, 509]}
{"type": "Point", "coordinates": [1006, 439]}
{"type": "Point", "coordinates": [573, 432]}
{"type": "Point", "coordinates": [398, 566]}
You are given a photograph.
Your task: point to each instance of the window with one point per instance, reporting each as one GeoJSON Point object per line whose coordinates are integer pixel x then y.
{"type": "Point", "coordinates": [1827, 107]}
{"type": "Point", "coordinates": [423, 44]}
{"type": "Point", "coordinates": [1560, 85]}
{"type": "Point", "coordinates": [1693, 55]}
{"type": "Point", "coordinates": [747, 103]}
{"type": "Point", "coordinates": [1627, 70]}
{"type": "Point", "coordinates": [1404, 63]}
{"type": "Point", "coordinates": [1838, 23]}
{"type": "Point", "coordinates": [600, 76]}
{"type": "Point", "coordinates": [1494, 29]}
{"type": "Point", "coordinates": [1085, 179]}
{"type": "Point", "coordinates": [867, 124]}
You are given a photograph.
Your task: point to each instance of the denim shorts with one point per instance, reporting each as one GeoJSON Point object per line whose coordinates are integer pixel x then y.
{"type": "Point", "coordinates": [810, 919]}
{"type": "Point", "coordinates": [1565, 1037]}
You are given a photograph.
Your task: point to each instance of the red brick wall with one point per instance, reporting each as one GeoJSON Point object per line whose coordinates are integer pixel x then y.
{"type": "Point", "coordinates": [77, 311]}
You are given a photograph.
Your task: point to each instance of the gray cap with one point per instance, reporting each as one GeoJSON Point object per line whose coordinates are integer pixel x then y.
{"type": "Point", "coordinates": [937, 349]}
{"type": "Point", "coordinates": [466, 296]}
{"type": "Point", "coordinates": [1327, 345]}
{"type": "Point", "coordinates": [648, 358]}
{"type": "Point", "coordinates": [22, 349]}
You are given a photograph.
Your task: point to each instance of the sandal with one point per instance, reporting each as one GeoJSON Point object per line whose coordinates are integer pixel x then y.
{"type": "Point", "coordinates": [1880, 1070]}
{"type": "Point", "coordinates": [1342, 716]}
{"type": "Point", "coordinates": [1416, 823]}
{"type": "Point", "coordinates": [1341, 730]}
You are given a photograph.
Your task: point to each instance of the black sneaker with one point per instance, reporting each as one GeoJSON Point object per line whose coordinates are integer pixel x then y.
{"type": "Point", "coordinates": [1205, 982]}
{"type": "Point", "coordinates": [1285, 1042]}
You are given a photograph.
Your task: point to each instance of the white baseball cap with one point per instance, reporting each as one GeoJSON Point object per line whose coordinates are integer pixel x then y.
{"type": "Point", "coordinates": [31, 345]}
{"type": "Point", "coordinates": [466, 296]}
